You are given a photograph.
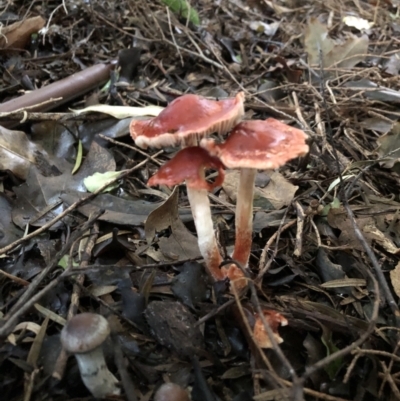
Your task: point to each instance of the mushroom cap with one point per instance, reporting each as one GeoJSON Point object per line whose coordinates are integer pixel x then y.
{"type": "Point", "coordinates": [84, 332]}
{"type": "Point", "coordinates": [171, 392]}
{"type": "Point", "coordinates": [259, 144]}
{"type": "Point", "coordinates": [185, 117]}
{"type": "Point", "coordinates": [274, 320]}
{"type": "Point", "coordinates": [189, 164]}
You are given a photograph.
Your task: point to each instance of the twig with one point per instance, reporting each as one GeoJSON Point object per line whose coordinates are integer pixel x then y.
{"type": "Point", "coordinates": [388, 377]}
{"type": "Point", "coordinates": [214, 312]}
{"type": "Point", "coordinates": [256, 304]}
{"type": "Point", "coordinates": [263, 267]}
{"type": "Point", "coordinates": [300, 225]}
{"type": "Point", "coordinates": [136, 149]}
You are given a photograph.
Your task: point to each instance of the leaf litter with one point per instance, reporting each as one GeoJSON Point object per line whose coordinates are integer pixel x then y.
{"type": "Point", "coordinates": [326, 233]}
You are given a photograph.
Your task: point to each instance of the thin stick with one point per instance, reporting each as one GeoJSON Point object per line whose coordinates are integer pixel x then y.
{"type": "Point", "coordinates": [300, 225]}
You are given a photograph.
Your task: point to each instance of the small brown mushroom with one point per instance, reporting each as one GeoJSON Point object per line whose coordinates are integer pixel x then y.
{"type": "Point", "coordinates": [83, 336]}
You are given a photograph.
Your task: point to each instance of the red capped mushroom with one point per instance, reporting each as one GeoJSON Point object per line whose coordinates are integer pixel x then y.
{"type": "Point", "coordinates": [189, 164]}
{"type": "Point", "coordinates": [186, 119]}
{"type": "Point", "coordinates": [254, 145]}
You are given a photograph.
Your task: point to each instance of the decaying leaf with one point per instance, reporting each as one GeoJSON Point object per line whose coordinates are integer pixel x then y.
{"type": "Point", "coordinates": [392, 66]}
{"type": "Point", "coordinates": [278, 193]}
{"type": "Point", "coordinates": [395, 279]}
{"type": "Point", "coordinates": [190, 286]}
{"type": "Point", "coordinates": [338, 218]}
{"type": "Point", "coordinates": [178, 243]}
{"type": "Point", "coordinates": [271, 219]}
{"type": "Point", "coordinates": [373, 91]}
{"type": "Point", "coordinates": [344, 54]}
{"type": "Point", "coordinates": [17, 152]}
{"type": "Point", "coordinates": [40, 192]}
{"type": "Point", "coordinates": [8, 231]}
{"type": "Point", "coordinates": [174, 327]}
{"type": "Point", "coordinates": [389, 146]}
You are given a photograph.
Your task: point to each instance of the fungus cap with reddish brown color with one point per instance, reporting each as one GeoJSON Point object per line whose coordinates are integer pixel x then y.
{"type": "Point", "coordinates": [186, 117]}
{"type": "Point", "coordinates": [259, 144]}
{"type": "Point", "coordinates": [274, 319]}
{"type": "Point", "coordinates": [189, 164]}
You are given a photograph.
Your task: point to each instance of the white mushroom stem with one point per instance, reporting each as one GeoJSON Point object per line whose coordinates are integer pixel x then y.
{"type": "Point", "coordinates": [95, 374]}
{"type": "Point", "coordinates": [244, 216]}
{"type": "Point", "coordinates": [201, 210]}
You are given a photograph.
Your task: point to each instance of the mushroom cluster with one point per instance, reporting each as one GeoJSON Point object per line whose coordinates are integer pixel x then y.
{"type": "Point", "coordinates": [250, 145]}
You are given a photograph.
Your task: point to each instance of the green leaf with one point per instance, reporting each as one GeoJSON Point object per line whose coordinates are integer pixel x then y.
{"type": "Point", "coordinates": [63, 262]}
{"type": "Point", "coordinates": [333, 368]}
{"type": "Point", "coordinates": [335, 204]}
{"type": "Point", "coordinates": [78, 160]}
{"type": "Point", "coordinates": [183, 8]}
{"type": "Point", "coordinates": [97, 180]}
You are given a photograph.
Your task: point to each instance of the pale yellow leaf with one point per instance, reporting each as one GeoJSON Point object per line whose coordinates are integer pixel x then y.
{"type": "Point", "coordinates": [122, 111]}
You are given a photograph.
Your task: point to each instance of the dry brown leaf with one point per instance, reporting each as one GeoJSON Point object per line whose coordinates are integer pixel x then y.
{"type": "Point", "coordinates": [180, 243]}
{"type": "Point", "coordinates": [395, 279]}
{"type": "Point", "coordinates": [17, 153]}
{"type": "Point", "coordinates": [344, 55]}
{"type": "Point", "coordinates": [337, 218]}
{"type": "Point", "coordinates": [18, 34]}
{"type": "Point", "coordinates": [389, 146]}
{"type": "Point", "coordinates": [279, 192]}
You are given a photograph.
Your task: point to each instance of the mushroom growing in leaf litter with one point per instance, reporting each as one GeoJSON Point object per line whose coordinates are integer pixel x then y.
{"type": "Point", "coordinates": [189, 165]}
{"type": "Point", "coordinates": [252, 145]}
{"type": "Point", "coordinates": [83, 336]}
{"type": "Point", "coordinates": [186, 119]}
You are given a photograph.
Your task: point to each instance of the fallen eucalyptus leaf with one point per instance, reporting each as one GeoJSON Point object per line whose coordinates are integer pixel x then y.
{"type": "Point", "coordinates": [78, 160]}
{"type": "Point", "coordinates": [346, 54]}
{"type": "Point", "coordinates": [17, 152]}
{"type": "Point", "coordinates": [122, 111]}
{"type": "Point", "coordinates": [178, 242]}
{"type": "Point", "coordinates": [395, 279]}
{"type": "Point", "coordinates": [372, 91]}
